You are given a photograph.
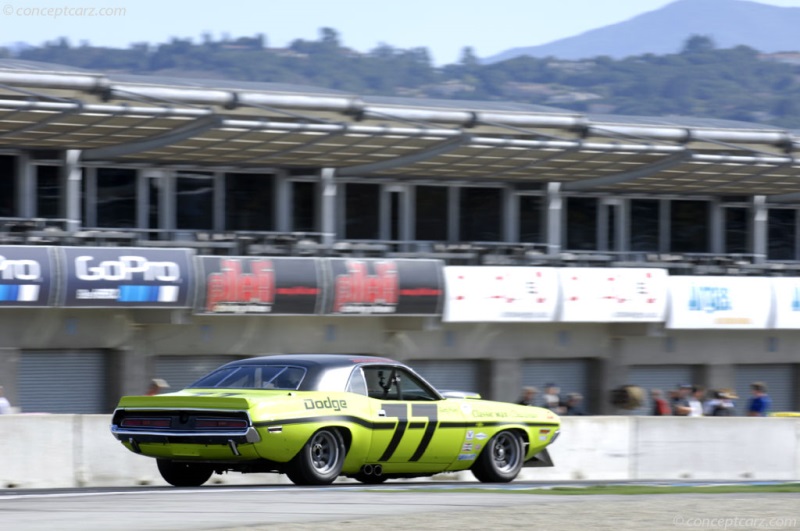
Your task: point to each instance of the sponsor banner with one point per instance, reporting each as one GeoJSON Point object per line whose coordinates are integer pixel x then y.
{"type": "Point", "coordinates": [259, 285]}
{"type": "Point", "coordinates": [786, 294]}
{"type": "Point", "coordinates": [500, 294]}
{"type": "Point", "coordinates": [384, 287]}
{"type": "Point", "coordinates": [26, 276]}
{"type": "Point", "coordinates": [719, 302]}
{"type": "Point", "coordinates": [612, 295]}
{"type": "Point", "coordinates": [112, 277]}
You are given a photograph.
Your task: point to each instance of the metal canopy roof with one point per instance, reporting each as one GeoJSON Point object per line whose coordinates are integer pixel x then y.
{"type": "Point", "coordinates": [179, 123]}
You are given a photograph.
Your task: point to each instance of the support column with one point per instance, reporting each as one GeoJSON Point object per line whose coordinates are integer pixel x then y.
{"type": "Point", "coordinates": [73, 177]}
{"type": "Point", "coordinates": [283, 202]}
{"type": "Point", "coordinates": [453, 226]}
{"type": "Point", "coordinates": [504, 380]}
{"type": "Point", "coordinates": [623, 226]}
{"type": "Point", "coordinates": [613, 373]}
{"type": "Point", "coordinates": [408, 216]}
{"type": "Point", "coordinates": [90, 200]}
{"type": "Point", "coordinates": [328, 206]}
{"type": "Point", "coordinates": [510, 215]}
{"type": "Point", "coordinates": [219, 219]}
{"type": "Point", "coordinates": [167, 202]}
{"type": "Point", "coordinates": [719, 376]}
{"type": "Point", "coordinates": [9, 370]}
{"type": "Point", "coordinates": [716, 227]}
{"type": "Point", "coordinates": [554, 218]}
{"type": "Point", "coordinates": [26, 186]}
{"type": "Point", "coordinates": [760, 218]}
{"type": "Point", "coordinates": [664, 226]}
{"type": "Point", "coordinates": [143, 199]}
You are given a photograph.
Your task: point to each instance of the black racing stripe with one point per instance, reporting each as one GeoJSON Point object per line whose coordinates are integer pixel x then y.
{"type": "Point", "coordinates": [399, 411]}
{"type": "Point", "coordinates": [416, 425]}
{"type": "Point", "coordinates": [432, 412]}
{"type": "Point", "coordinates": [327, 418]}
{"type": "Point", "coordinates": [487, 424]}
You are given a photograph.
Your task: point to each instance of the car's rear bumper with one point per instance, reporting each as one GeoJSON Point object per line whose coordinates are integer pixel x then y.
{"type": "Point", "coordinates": [137, 436]}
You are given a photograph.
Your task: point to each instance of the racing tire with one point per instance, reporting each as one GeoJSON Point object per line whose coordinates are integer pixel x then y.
{"type": "Point", "coordinates": [501, 459]}
{"type": "Point", "coordinates": [184, 474]}
{"type": "Point", "coordinates": [320, 460]}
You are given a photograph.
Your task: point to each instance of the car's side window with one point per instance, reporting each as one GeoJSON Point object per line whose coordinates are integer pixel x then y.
{"type": "Point", "coordinates": [356, 384]}
{"type": "Point", "coordinates": [395, 383]}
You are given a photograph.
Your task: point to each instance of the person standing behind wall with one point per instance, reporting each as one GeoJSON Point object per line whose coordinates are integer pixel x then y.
{"type": "Point", "coordinates": [760, 403]}
{"type": "Point", "coordinates": [528, 397]}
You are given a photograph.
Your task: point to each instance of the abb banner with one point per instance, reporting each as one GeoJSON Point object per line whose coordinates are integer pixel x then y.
{"type": "Point", "coordinates": [258, 285]}
{"type": "Point", "coordinates": [608, 295]}
{"type": "Point", "coordinates": [720, 302]}
{"type": "Point", "coordinates": [384, 287]}
{"type": "Point", "coordinates": [500, 294]}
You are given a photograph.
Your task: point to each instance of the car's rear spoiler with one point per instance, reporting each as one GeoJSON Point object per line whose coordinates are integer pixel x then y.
{"type": "Point", "coordinates": [174, 401]}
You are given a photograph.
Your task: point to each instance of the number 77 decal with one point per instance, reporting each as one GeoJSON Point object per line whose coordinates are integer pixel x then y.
{"type": "Point", "coordinates": [400, 411]}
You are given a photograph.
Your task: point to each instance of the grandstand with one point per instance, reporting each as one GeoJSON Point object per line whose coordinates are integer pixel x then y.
{"type": "Point", "coordinates": [206, 174]}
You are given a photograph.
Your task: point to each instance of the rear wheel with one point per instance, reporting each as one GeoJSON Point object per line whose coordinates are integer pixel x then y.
{"type": "Point", "coordinates": [320, 460]}
{"type": "Point", "coordinates": [184, 474]}
{"type": "Point", "coordinates": [501, 460]}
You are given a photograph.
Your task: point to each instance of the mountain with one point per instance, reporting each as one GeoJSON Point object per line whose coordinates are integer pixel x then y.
{"type": "Point", "coordinates": [729, 23]}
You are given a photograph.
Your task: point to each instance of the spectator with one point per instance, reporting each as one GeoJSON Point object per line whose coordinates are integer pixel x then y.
{"type": "Point", "coordinates": [695, 400]}
{"type": "Point", "coordinates": [574, 405]}
{"type": "Point", "coordinates": [5, 405]}
{"type": "Point", "coordinates": [660, 406]}
{"type": "Point", "coordinates": [760, 403]}
{"type": "Point", "coordinates": [552, 399]}
{"type": "Point", "coordinates": [528, 397]}
{"type": "Point", "coordinates": [157, 386]}
{"type": "Point", "coordinates": [721, 404]}
{"type": "Point", "coordinates": [680, 401]}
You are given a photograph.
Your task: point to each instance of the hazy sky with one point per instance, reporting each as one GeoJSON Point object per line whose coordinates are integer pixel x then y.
{"type": "Point", "coordinates": [442, 26]}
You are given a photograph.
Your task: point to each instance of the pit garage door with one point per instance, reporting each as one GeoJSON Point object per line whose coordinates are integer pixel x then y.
{"type": "Point", "coordinates": [181, 371]}
{"type": "Point", "coordinates": [453, 375]}
{"type": "Point", "coordinates": [780, 385]}
{"type": "Point", "coordinates": [62, 382]}
{"type": "Point", "coordinates": [664, 377]}
{"type": "Point", "coordinates": [571, 376]}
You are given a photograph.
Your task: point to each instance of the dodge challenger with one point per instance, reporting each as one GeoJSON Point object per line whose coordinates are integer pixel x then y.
{"type": "Point", "coordinates": [316, 417]}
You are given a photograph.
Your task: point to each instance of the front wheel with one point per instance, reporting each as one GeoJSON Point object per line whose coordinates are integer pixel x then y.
{"type": "Point", "coordinates": [320, 460]}
{"type": "Point", "coordinates": [184, 474]}
{"type": "Point", "coordinates": [501, 460]}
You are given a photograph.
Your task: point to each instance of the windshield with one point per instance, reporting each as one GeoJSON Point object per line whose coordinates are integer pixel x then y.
{"type": "Point", "coordinates": [253, 377]}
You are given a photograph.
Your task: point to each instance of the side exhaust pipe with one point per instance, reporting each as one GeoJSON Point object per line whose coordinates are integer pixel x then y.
{"type": "Point", "coordinates": [377, 470]}
{"type": "Point", "coordinates": [367, 470]}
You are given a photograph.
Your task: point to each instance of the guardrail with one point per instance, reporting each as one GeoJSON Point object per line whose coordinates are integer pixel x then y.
{"type": "Point", "coordinates": [53, 451]}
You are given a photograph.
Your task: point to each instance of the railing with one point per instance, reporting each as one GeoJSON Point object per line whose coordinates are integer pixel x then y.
{"type": "Point", "coordinates": [49, 231]}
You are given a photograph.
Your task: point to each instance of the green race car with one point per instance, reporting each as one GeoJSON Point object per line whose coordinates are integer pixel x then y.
{"type": "Point", "coordinates": [316, 417]}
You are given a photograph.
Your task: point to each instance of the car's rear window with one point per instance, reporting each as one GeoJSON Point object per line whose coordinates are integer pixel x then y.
{"type": "Point", "coordinates": [253, 377]}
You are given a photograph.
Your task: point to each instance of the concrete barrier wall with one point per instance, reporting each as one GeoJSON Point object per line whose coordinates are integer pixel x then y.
{"type": "Point", "coordinates": [45, 451]}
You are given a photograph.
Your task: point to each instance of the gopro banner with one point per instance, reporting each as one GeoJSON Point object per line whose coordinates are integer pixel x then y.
{"type": "Point", "coordinates": [500, 294]}
{"type": "Point", "coordinates": [112, 277]}
{"type": "Point", "coordinates": [613, 295]}
{"type": "Point", "coordinates": [719, 302]}
{"type": "Point", "coordinates": [384, 287]}
{"type": "Point", "coordinates": [259, 285]}
{"type": "Point", "coordinates": [26, 276]}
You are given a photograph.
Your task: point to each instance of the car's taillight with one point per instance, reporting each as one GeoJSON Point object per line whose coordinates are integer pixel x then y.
{"type": "Point", "coordinates": [145, 423]}
{"type": "Point", "coordinates": [220, 423]}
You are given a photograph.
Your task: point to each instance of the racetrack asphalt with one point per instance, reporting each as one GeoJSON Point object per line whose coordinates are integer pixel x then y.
{"type": "Point", "coordinates": [402, 507]}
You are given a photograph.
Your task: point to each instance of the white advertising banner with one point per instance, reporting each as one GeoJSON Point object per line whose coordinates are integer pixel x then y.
{"type": "Point", "coordinates": [609, 295]}
{"type": "Point", "coordinates": [786, 293]}
{"type": "Point", "coordinates": [719, 302]}
{"type": "Point", "coordinates": [500, 294]}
